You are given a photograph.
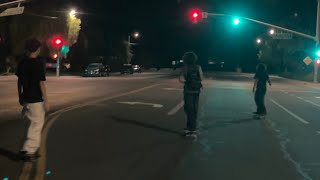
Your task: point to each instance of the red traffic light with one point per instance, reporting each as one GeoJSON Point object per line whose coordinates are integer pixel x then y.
{"type": "Point", "coordinates": [57, 42]}
{"type": "Point", "coordinates": [195, 15]}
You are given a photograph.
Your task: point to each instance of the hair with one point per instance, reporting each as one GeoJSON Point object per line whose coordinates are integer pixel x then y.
{"type": "Point", "coordinates": [261, 68]}
{"type": "Point", "coordinates": [32, 45]}
{"type": "Point", "coordinates": [190, 58]}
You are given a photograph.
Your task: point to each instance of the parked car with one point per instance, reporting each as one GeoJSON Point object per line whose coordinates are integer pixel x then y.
{"type": "Point", "coordinates": [127, 69]}
{"type": "Point", "coordinates": [137, 68]}
{"type": "Point", "coordinates": [96, 70]}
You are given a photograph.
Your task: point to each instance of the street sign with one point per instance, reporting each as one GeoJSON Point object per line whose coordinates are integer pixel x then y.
{"type": "Point", "coordinates": [205, 15]}
{"type": "Point", "coordinates": [307, 61]}
{"type": "Point", "coordinates": [12, 11]}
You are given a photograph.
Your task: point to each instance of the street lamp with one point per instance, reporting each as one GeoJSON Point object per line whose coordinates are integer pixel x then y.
{"type": "Point", "coordinates": [272, 32]}
{"type": "Point", "coordinates": [259, 41]}
{"type": "Point", "coordinates": [135, 35]}
{"type": "Point", "coordinates": [72, 13]}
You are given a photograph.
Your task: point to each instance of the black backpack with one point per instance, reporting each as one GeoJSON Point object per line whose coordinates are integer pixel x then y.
{"type": "Point", "coordinates": [193, 78]}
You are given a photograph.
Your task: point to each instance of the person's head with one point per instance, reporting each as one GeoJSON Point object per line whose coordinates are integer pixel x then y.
{"type": "Point", "coordinates": [261, 68]}
{"type": "Point", "coordinates": [33, 47]}
{"type": "Point", "coordinates": [190, 58]}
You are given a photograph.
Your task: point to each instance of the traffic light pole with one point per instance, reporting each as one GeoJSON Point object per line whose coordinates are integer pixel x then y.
{"type": "Point", "coordinates": [58, 65]}
{"type": "Point", "coordinates": [316, 66]}
{"type": "Point", "coordinates": [314, 38]}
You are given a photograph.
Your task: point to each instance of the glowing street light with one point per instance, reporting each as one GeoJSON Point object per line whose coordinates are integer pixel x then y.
{"type": "Point", "coordinates": [72, 13]}
{"type": "Point", "coordinates": [259, 41]}
{"type": "Point", "coordinates": [136, 35]}
{"type": "Point", "coordinates": [272, 31]}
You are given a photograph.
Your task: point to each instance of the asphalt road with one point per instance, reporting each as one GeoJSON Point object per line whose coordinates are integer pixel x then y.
{"type": "Point", "coordinates": [130, 128]}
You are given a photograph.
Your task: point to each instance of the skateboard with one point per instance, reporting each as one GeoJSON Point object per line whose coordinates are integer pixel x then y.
{"type": "Point", "coordinates": [259, 117]}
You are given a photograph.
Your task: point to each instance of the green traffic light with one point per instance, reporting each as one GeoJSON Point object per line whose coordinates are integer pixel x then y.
{"type": "Point", "coordinates": [318, 53]}
{"type": "Point", "coordinates": [236, 21]}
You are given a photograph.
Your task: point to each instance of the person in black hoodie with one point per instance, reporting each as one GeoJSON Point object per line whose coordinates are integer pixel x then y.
{"type": "Point", "coordinates": [260, 88]}
{"type": "Point", "coordinates": [191, 76]}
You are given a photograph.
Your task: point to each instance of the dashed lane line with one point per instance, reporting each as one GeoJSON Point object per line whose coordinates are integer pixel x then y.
{"type": "Point", "coordinates": [176, 108]}
{"type": "Point", "coordinates": [289, 112]}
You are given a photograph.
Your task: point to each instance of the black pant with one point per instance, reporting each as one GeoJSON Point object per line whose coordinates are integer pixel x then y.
{"type": "Point", "coordinates": [191, 104]}
{"type": "Point", "coordinates": [259, 99]}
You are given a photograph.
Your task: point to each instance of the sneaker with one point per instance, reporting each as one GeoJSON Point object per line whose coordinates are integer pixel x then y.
{"type": "Point", "coordinates": [191, 134]}
{"type": "Point", "coordinates": [28, 157]}
{"type": "Point", "coordinates": [186, 130]}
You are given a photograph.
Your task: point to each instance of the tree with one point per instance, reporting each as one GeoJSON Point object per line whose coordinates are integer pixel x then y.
{"type": "Point", "coordinates": [74, 27]}
{"type": "Point", "coordinates": [283, 52]}
{"type": "Point", "coordinates": [122, 50]}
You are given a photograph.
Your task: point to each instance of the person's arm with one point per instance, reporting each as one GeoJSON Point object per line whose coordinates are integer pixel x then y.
{"type": "Point", "coordinates": [255, 85]}
{"type": "Point", "coordinates": [43, 88]}
{"type": "Point", "coordinates": [19, 85]}
{"type": "Point", "coordinates": [201, 73]}
{"type": "Point", "coordinates": [44, 95]}
{"type": "Point", "coordinates": [181, 77]}
{"type": "Point", "coordinates": [269, 81]}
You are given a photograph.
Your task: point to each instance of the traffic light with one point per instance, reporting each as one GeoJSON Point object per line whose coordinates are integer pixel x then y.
{"type": "Point", "coordinates": [195, 15]}
{"type": "Point", "coordinates": [57, 42]}
{"type": "Point", "coordinates": [318, 61]}
{"type": "Point", "coordinates": [236, 21]}
{"type": "Point", "coordinates": [55, 56]}
{"type": "Point", "coordinates": [318, 53]}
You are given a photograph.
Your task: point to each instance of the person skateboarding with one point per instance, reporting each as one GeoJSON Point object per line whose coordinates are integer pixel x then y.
{"type": "Point", "coordinates": [260, 89]}
{"type": "Point", "coordinates": [191, 76]}
{"type": "Point", "coordinates": [33, 97]}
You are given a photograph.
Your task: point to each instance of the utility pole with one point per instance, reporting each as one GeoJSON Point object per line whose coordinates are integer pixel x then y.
{"type": "Point", "coordinates": [316, 68]}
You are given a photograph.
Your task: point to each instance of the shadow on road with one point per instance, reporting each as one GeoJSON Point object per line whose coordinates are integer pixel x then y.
{"type": "Point", "coordinates": [240, 121]}
{"type": "Point", "coordinates": [145, 125]}
{"type": "Point", "coordinates": [222, 124]}
{"type": "Point", "coordinates": [9, 154]}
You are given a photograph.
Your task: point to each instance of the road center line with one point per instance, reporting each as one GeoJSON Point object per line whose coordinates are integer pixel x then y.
{"type": "Point", "coordinates": [176, 108]}
{"type": "Point", "coordinates": [289, 112]}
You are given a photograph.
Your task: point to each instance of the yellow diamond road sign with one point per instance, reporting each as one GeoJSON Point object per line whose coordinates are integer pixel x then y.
{"type": "Point", "coordinates": [307, 61]}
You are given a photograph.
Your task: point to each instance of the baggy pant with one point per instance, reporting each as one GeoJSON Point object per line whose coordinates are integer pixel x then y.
{"type": "Point", "coordinates": [259, 99]}
{"type": "Point", "coordinates": [35, 114]}
{"type": "Point", "coordinates": [191, 104]}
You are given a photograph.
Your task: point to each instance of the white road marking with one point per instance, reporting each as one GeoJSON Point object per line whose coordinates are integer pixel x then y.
{"type": "Point", "coordinates": [176, 108]}
{"type": "Point", "coordinates": [317, 97]}
{"type": "Point", "coordinates": [291, 94]}
{"type": "Point", "coordinates": [142, 103]}
{"type": "Point", "coordinates": [318, 105]}
{"type": "Point", "coordinates": [41, 164]}
{"type": "Point", "coordinates": [307, 101]}
{"type": "Point", "coordinates": [289, 112]}
{"type": "Point", "coordinates": [173, 89]}
{"type": "Point", "coordinates": [318, 132]}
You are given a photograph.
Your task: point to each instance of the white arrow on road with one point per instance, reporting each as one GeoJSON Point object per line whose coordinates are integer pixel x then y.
{"type": "Point", "coordinates": [142, 103]}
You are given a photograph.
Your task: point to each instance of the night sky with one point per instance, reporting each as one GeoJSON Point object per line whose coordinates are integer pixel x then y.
{"type": "Point", "coordinates": [167, 32]}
